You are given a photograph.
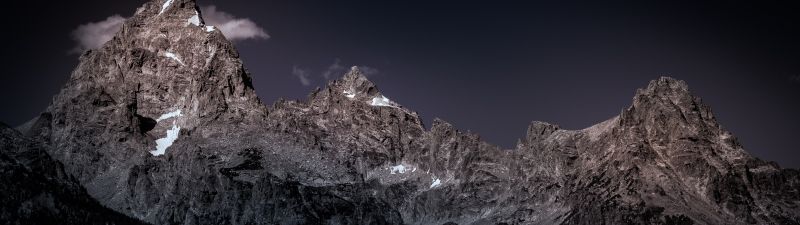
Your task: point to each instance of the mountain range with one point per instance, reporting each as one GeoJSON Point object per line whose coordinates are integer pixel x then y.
{"type": "Point", "coordinates": [162, 125]}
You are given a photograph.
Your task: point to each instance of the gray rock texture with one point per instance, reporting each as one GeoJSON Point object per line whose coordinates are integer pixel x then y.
{"type": "Point", "coordinates": [36, 190]}
{"type": "Point", "coordinates": [162, 124]}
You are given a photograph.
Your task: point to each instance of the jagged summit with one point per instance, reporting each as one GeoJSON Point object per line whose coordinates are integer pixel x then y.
{"type": "Point", "coordinates": [538, 130]}
{"type": "Point", "coordinates": [663, 98]}
{"type": "Point", "coordinates": [667, 98]}
{"type": "Point", "coordinates": [163, 77]}
{"type": "Point", "coordinates": [664, 89]}
{"type": "Point", "coordinates": [667, 84]}
{"type": "Point", "coordinates": [185, 12]}
{"type": "Point", "coordinates": [355, 75]}
{"type": "Point", "coordinates": [354, 84]}
{"type": "Point", "coordinates": [166, 62]}
{"type": "Point", "coordinates": [165, 8]}
{"type": "Point", "coordinates": [667, 91]}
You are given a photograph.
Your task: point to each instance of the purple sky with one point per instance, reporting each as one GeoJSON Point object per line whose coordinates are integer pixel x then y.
{"type": "Point", "coordinates": [490, 68]}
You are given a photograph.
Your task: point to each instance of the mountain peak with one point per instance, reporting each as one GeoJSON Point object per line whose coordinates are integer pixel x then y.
{"type": "Point", "coordinates": [356, 78]}
{"type": "Point", "coordinates": [668, 97]}
{"type": "Point", "coordinates": [164, 71]}
{"type": "Point", "coordinates": [354, 70]}
{"type": "Point", "coordinates": [666, 112]}
{"type": "Point", "coordinates": [165, 8]}
{"type": "Point", "coordinates": [665, 86]}
{"type": "Point", "coordinates": [168, 19]}
{"type": "Point", "coordinates": [354, 84]}
{"type": "Point", "coordinates": [665, 91]}
{"type": "Point", "coordinates": [537, 132]}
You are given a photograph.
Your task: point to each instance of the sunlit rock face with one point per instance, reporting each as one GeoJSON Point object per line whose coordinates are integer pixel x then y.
{"type": "Point", "coordinates": [162, 124]}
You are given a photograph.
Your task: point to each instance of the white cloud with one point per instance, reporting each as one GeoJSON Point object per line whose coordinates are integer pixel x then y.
{"type": "Point", "coordinates": [93, 35]}
{"type": "Point", "coordinates": [235, 29]}
{"type": "Point", "coordinates": [336, 70]}
{"type": "Point", "coordinates": [368, 71]}
{"type": "Point", "coordinates": [301, 74]}
{"type": "Point", "coordinates": [333, 69]}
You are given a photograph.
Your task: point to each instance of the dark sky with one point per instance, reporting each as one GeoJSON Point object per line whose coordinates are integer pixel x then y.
{"type": "Point", "coordinates": [489, 67]}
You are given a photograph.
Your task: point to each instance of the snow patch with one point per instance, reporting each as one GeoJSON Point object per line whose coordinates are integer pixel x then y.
{"type": "Point", "coordinates": [174, 56]}
{"type": "Point", "coordinates": [195, 20]}
{"type": "Point", "coordinates": [381, 100]}
{"type": "Point", "coordinates": [400, 169]}
{"type": "Point", "coordinates": [163, 143]}
{"type": "Point", "coordinates": [349, 93]}
{"type": "Point", "coordinates": [165, 6]}
{"type": "Point", "coordinates": [168, 115]}
{"type": "Point", "coordinates": [210, 28]}
{"type": "Point", "coordinates": [436, 182]}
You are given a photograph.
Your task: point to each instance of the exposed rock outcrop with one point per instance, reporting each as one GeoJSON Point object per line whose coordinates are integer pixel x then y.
{"type": "Point", "coordinates": [36, 190]}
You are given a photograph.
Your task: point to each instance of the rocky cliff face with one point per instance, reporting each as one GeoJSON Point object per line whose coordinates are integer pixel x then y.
{"type": "Point", "coordinates": [162, 124]}
{"type": "Point", "coordinates": [36, 190]}
{"type": "Point", "coordinates": [665, 159]}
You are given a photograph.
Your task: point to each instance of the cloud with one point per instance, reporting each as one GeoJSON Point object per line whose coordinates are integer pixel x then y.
{"type": "Point", "coordinates": [93, 35]}
{"type": "Point", "coordinates": [301, 74]}
{"type": "Point", "coordinates": [235, 29]}
{"type": "Point", "coordinates": [336, 69]}
{"type": "Point", "coordinates": [369, 71]}
{"type": "Point", "coordinates": [333, 69]}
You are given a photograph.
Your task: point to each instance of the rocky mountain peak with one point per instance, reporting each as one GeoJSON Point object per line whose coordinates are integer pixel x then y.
{"type": "Point", "coordinates": [665, 91]}
{"type": "Point", "coordinates": [166, 64]}
{"type": "Point", "coordinates": [354, 84]}
{"type": "Point", "coordinates": [354, 90]}
{"type": "Point", "coordinates": [163, 75]}
{"type": "Point", "coordinates": [666, 85]}
{"type": "Point", "coordinates": [539, 130]}
{"type": "Point", "coordinates": [665, 88]}
{"type": "Point", "coordinates": [667, 98]}
{"type": "Point", "coordinates": [165, 8]}
{"type": "Point", "coordinates": [678, 127]}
